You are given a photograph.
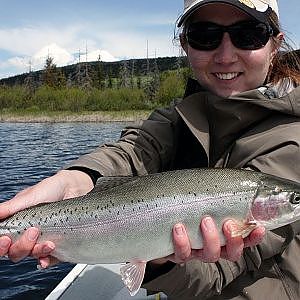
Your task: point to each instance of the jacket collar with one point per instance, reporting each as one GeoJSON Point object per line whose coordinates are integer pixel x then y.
{"type": "Point", "coordinates": [218, 122]}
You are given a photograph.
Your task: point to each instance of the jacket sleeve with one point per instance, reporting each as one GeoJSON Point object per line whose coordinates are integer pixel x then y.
{"type": "Point", "coordinates": [143, 148]}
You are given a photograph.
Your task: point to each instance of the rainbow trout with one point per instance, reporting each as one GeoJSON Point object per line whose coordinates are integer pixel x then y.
{"type": "Point", "coordinates": [130, 219]}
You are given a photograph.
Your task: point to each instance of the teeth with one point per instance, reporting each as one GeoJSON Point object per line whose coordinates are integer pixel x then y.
{"type": "Point", "coordinates": [226, 76]}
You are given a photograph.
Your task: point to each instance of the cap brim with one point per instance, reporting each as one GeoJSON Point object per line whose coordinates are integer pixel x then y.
{"type": "Point", "coordinates": [260, 16]}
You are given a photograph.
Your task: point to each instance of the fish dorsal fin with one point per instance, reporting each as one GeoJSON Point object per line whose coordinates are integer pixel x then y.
{"type": "Point", "coordinates": [109, 182]}
{"type": "Point", "coordinates": [133, 275]}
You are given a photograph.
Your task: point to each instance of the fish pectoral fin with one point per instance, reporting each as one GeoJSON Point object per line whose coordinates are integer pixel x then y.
{"type": "Point", "coordinates": [244, 229]}
{"type": "Point", "coordinates": [133, 275]}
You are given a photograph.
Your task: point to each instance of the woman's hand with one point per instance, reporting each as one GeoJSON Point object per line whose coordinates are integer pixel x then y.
{"type": "Point", "coordinates": [212, 250]}
{"type": "Point", "coordinates": [63, 185]}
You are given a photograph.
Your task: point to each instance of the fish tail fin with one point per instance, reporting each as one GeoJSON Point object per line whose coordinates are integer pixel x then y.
{"type": "Point", "coordinates": [133, 275]}
{"type": "Point", "coordinates": [244, 229]}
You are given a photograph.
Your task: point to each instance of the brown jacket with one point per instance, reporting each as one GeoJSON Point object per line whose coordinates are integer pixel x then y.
{"type": "Point", "coordinates": [256, 130]}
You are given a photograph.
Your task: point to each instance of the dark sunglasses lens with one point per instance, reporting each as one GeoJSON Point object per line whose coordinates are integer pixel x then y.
{"type": "Point", "coordinates": [250, 35]}
{"type": "Point", "coordinates": [247, 35]}
{"type": "Point", "coordinates": [204, 36]}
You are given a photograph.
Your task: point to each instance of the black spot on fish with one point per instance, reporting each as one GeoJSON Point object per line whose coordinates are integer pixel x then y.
{"type": "Point", "coordinates": [195, 194]}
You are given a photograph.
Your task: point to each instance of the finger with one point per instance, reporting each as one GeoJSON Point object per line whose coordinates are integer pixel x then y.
{"type": "Point", "coordinates": [23, 247]}
{"type": "Point", "coordinates": [182, 247]}
{"type": "Point", "coordinates": [255, 237]}
{"type": "Point", "coordinates": [234, 245]}
{"type": "Point", "coordinates": [43, 250]}
{"type": "Point", "coordinates": [48, 261]}
{"type": "Point", "coordinates": [5, 242]}
{"type": "Point", "coordinates": [211, 241]}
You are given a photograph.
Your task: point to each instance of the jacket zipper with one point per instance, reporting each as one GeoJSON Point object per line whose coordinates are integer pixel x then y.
{"type": "Point", "coordinates": [283, 280]}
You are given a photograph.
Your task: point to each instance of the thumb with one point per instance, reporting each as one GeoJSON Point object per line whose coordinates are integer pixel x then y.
{"type": "Point", "coordinates": [19, 202]}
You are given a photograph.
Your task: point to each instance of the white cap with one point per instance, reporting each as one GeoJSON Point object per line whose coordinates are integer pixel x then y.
{"type": "Point", "coordinates": [259, 9]}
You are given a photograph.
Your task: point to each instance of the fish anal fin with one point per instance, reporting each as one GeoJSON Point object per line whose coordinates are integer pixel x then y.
{"type": "Point", "coordinates": [244, 229]}
{"type": "Point", "coordinates": [133, 274]}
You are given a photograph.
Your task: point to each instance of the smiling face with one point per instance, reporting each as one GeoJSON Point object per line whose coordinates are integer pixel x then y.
{"type": "Point", "coordinates": [228, 70]}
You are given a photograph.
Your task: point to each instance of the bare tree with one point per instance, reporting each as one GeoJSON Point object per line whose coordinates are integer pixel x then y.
{"type": "Point", "coordinates": [124, 75]}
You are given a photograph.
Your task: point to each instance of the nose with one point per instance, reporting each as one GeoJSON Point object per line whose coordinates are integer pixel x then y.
{"type": "Point", "coordinates": [226, 53]}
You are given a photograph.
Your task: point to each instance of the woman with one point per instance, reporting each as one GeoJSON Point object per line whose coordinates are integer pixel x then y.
{"type": "Point", "coordinates": [242, 112]}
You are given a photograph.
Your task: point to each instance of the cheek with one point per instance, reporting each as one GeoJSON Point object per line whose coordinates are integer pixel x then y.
{"type": "Point", "coordinates": [199, 61]}
{"type": "Point", "coordinates": [258, 62]}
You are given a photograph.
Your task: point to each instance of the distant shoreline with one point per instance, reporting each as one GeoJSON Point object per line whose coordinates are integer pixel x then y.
{"type": "Point", "coordinates": [69, 117]}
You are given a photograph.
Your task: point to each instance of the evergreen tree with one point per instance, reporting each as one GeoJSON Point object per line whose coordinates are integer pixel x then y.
{"type": "Point", "coordinates": [49, 76]}
{"type": "Point", "coordinates": [99, 74]}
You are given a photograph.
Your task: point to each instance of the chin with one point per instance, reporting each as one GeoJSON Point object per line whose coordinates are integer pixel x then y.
{"type": "Point", "coordinates": [226, 94]}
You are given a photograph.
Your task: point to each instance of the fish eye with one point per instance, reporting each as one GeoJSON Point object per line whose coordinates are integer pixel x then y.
{"type": "Point", "coordinates": [295, 198]}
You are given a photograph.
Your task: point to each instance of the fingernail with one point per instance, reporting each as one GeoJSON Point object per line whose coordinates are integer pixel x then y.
{"type": "Point", "coordinates": [209, 224]}
{"type": "Point", "coordinates": [4, 243]}
{"type": "Point", "coordinates": [231, 226]}
{"type": "Point", "coordinates": [179, 230]}
{"type": "Point", "coordinates": [47, 250]}
{"type": "Point", "coordinates": [33, 234]}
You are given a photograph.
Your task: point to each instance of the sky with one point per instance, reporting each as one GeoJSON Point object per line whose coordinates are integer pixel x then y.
{"type": "Point", "coordinates": [32, 30]}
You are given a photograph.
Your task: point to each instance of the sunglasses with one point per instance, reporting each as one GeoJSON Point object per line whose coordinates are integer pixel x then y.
{"type": "Point", "coordinates": [246, 35]}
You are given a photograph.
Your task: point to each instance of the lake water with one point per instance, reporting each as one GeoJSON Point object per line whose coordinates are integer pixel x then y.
{"type": "Point", "coordinates": [28, 154]}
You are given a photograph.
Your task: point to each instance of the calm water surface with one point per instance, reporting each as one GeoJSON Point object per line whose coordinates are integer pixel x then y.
{"type": "Point", "coordinates": [28, 154]}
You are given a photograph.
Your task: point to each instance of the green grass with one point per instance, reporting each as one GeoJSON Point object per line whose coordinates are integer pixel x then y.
{"type": "Point", "coordinates": [59, 102]}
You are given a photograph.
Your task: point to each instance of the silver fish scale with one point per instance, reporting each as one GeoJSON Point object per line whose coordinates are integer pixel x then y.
{"type": "Point", "coordinates": [138, 214]}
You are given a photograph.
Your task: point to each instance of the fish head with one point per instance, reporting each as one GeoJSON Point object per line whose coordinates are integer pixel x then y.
{"type": "Point", "coordinates": [276, 203]}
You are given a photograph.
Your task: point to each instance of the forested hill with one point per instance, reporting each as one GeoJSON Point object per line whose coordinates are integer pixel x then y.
{"type": "Point", "coordinates": [135, 67]}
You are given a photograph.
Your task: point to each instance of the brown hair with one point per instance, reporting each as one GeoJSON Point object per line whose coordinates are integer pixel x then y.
{"type": "Point", "coordinates": [286, 63]}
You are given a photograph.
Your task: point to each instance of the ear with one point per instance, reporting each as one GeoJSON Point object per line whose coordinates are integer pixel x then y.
{"type": "Point", "coordinates": [183, 43]}
{"type": "Point", "coordinates": [278, 41]}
